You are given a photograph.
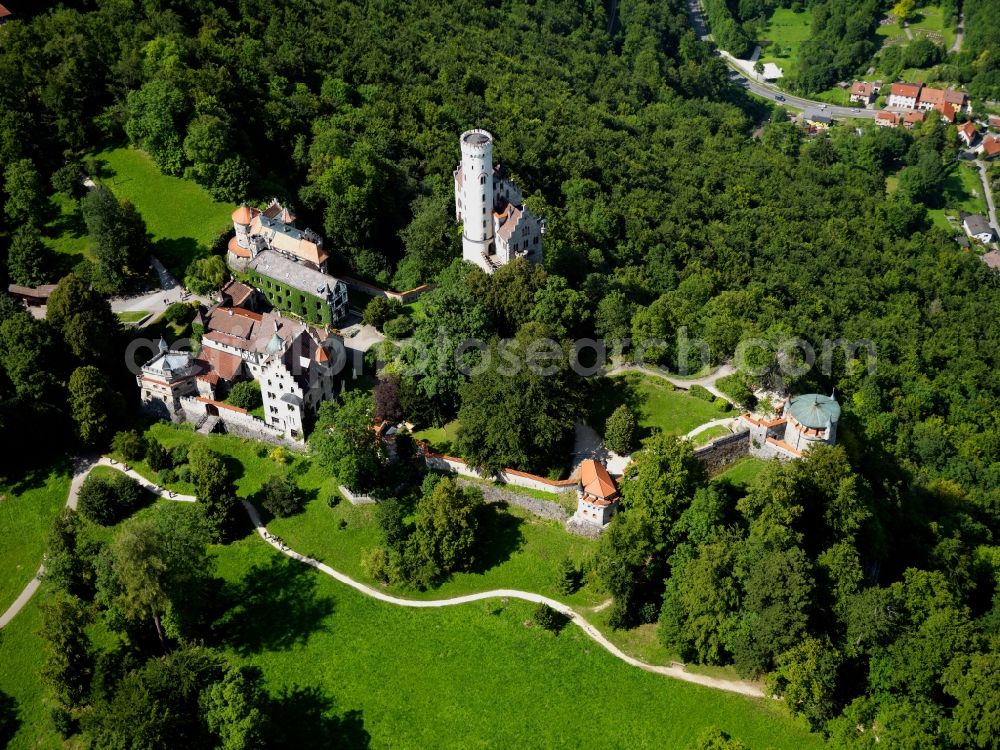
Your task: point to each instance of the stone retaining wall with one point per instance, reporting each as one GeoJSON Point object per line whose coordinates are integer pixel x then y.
{"type": "Point", "coordinates": [236, 422]}
{"type": "Point", "coordinates": [724, 451]}
{"type": "Point", "coordinates": [454, 465]}
{"type": "Point", "coordinates": [543, 508]}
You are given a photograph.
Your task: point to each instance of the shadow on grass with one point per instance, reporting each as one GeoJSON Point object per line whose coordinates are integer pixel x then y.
{"type": "Point", "coordinates": [303, 718]}
{"type": "Point", "coordinates": [177, 254]}
{"type": "Point", "coordinates": [607, 394]}
{"type": "Point", "coordinates": [500, 537]}
{"type": "Point", "coordinates": [9, 721]}
{"type": "Point", "coordinates": [275, 606]}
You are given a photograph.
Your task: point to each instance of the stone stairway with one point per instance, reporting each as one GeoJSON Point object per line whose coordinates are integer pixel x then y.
{"type": "Point", "coordinates": [208, 425]}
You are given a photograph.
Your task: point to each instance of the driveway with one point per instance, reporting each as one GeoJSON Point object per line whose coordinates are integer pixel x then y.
{"type": "Point", "coordinates": [588, 444]}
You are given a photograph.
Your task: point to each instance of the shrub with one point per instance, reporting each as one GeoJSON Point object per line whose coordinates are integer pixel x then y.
{"type": "Point", "coordinates": [245, 395]}
{"type": "Point", "coordinates": [548, 618]}
{"type": "Point", "coordinates": [567, 577]}
{"type": "Point", "coordinates": [205, 275]}
{"type": "Point", "coordinates": [333, 500]}
{"type": "Point", "coordinates": [399, 327]}
{"type": "Point", "coordinates": [700, 391]}
{"type": "Point", "coordinates": [279, 455]}
{"type": "Point", "coordinates": [649, 613]}
{"type": "Point", "coordinates": [179, 454]}
{"type": "Point", "coordinates": [178, 313]}
{"type": "Point", "coordinates": [129, 445]}
{"type": "Point", "coordinates": [166, 476]}
{"type": "Point", "coordinates": [619, 431]}
{"type": "Point", "coordinates": [183, 473]}
{"type": "Point", "coordinates": [380, 310]}
{"type": "Point", "coordinates": [737, 386]}
{"type": "Point", "coordinates": [157, 456]}
{"type": "Point", "coordinates": [282, 497]}
{"type": "Point", "coordinates": [107, 500]}
{"type": "Point", "coordinates": [722, 405]}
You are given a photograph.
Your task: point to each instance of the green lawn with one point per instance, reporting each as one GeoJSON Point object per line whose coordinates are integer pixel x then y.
{"type": "Point", "coordinates": [471, 676]}
{"type": "Point", "coordinates": [132, 317]}
{"type": "Point", "coordinates": [26, 513]}
{"type": "Point", "coordinates": [418, 678]}
{"type": "Point", "coordinates": [182, 218]}
{"type": "Point", "coordinates": [782, 36]}
{"type": "Point", "coordinates": [66, 232]}
{"type": "Point", "coordinates": [743, 472]}
{"type": "Point", "coordinates": [441, 439]}
{"type": "Point", "coordinates": [655, 403]}
{"type": "Point", "coordinates": [519, 550]}
{"type": "Point", "coordinates": [707, 436]}
{"type": "Point", "coordinates": [963, 191]}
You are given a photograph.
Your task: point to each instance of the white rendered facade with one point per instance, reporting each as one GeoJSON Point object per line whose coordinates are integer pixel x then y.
{"type": "Point", "coordinates": [496, 226]}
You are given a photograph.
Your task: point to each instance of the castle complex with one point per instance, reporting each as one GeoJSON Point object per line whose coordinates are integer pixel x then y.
{"type": "Point", "coordinates": [287, 264]}
{"type": "Point", "coordinates": [292, 362]}
{"type": "Point", "coordinates": [496, 225]}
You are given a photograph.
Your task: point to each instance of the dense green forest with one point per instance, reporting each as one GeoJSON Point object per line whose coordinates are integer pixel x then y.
{"type": "Point", "coordinates": [873, 566]}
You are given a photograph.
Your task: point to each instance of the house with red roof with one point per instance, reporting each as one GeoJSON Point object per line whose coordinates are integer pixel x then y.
{"type": "Point", "coordinates": [991, 146]}
{"type": "Point", "coordinates": [968, 132]}
{"type": "Point", "coordinates": [863, 92]}
{"type": "Point", "coordinates": [597, 494]}
{"type": "Point", "coordinates": [884, 119]}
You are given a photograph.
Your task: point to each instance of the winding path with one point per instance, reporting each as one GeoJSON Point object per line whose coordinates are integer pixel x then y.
{"type": "Point", "coordinates": [675, 670]}
{"type": "Point", "coordinates": [707, 382]}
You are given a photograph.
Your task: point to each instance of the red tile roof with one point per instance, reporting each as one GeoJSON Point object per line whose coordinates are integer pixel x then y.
{"type": "Point", "coordinates": [596, 482]}
{"type": "Point", "coordinates": [4, 12]}
{"type": "Point", "coordinates": [862, 88]}
{"type": "Point", "coordinates": [967, 129]}
{"type": "Point", "coordinates": [225, 364]}
{"type": "Point", "coordinates": [993, 121]}
{"type": "Point", "coordinates": [991, 146]}
{"type": "Point", "coordinates": [235, 249]}
{"type": "Point", "coordinates": [906, 89]}
{"type": "Point", "coordinates": [913, 117]}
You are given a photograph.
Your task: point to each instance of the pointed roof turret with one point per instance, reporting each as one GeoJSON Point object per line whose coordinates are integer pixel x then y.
{"type": "Point", "coordinates": [162, 345]}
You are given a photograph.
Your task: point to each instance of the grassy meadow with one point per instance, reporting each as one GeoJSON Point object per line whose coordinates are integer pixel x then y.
{"type": "Point", "coordinates": [656, 404]}
{"type": "Point", "coordinates": [27, 508]}
{"type": "Point", "coordinates": [182, 217]}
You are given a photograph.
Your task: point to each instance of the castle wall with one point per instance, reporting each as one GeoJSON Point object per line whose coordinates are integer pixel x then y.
{"type": "Point", "coordinates": [724, 451]}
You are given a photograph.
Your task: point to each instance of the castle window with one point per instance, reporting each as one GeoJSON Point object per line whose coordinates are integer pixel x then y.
{"type": "Point", "coordinates": [525, 231]}
{"type": "Point", "coordinates": [484, 223]}
{"type": "Point", "coordinates": [482, 179]}
{"type": "Point", "coordinates": [536, 240]}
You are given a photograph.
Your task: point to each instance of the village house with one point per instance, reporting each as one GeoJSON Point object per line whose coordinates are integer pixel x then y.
{"type": "Point", "coordinates": [864, 92]}
{"type": "Point", "coordinates": [948, 102]}
{"type": "Point", "coordinates": [993, 122]}
{"type": "Point", "coordinates": [991, 146]}
{"type": "Point", "coordinates": [31, 296]}
{"type": "Point", "coordinates": [496, 225]}
{"type": "Point", "coordinates": [904, 95]}
{"type": "Point", "coordinates": [884, 119]}
{"type": "Point", "coordinates": [597, 494]}
{"type": "Point", "coordinates": [978, 227]}
{"type": "Point", "coordinates": [968, 132]}
{"type": "Point", "coordinates": [912, 119]}
{"type": "Point", "coordinates": [816, 119]}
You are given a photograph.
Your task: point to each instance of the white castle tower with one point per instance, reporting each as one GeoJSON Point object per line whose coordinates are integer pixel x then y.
{"type": "Point", "coordinates": [496, 227]}
{"type": "Point", "coordinates": [474, 196]}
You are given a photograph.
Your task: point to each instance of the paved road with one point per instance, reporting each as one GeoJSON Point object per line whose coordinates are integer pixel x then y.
{"type": "Point", "coordinates": [156, 302]}
{"type": "Point", "coordinates": [675, 670]}
{"type": "Point", "coordinates": [983, 177]}
{"type": "Point", "coordinates": [959, 34]}
{"type": "Point", "coordinates": [766, 90]}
